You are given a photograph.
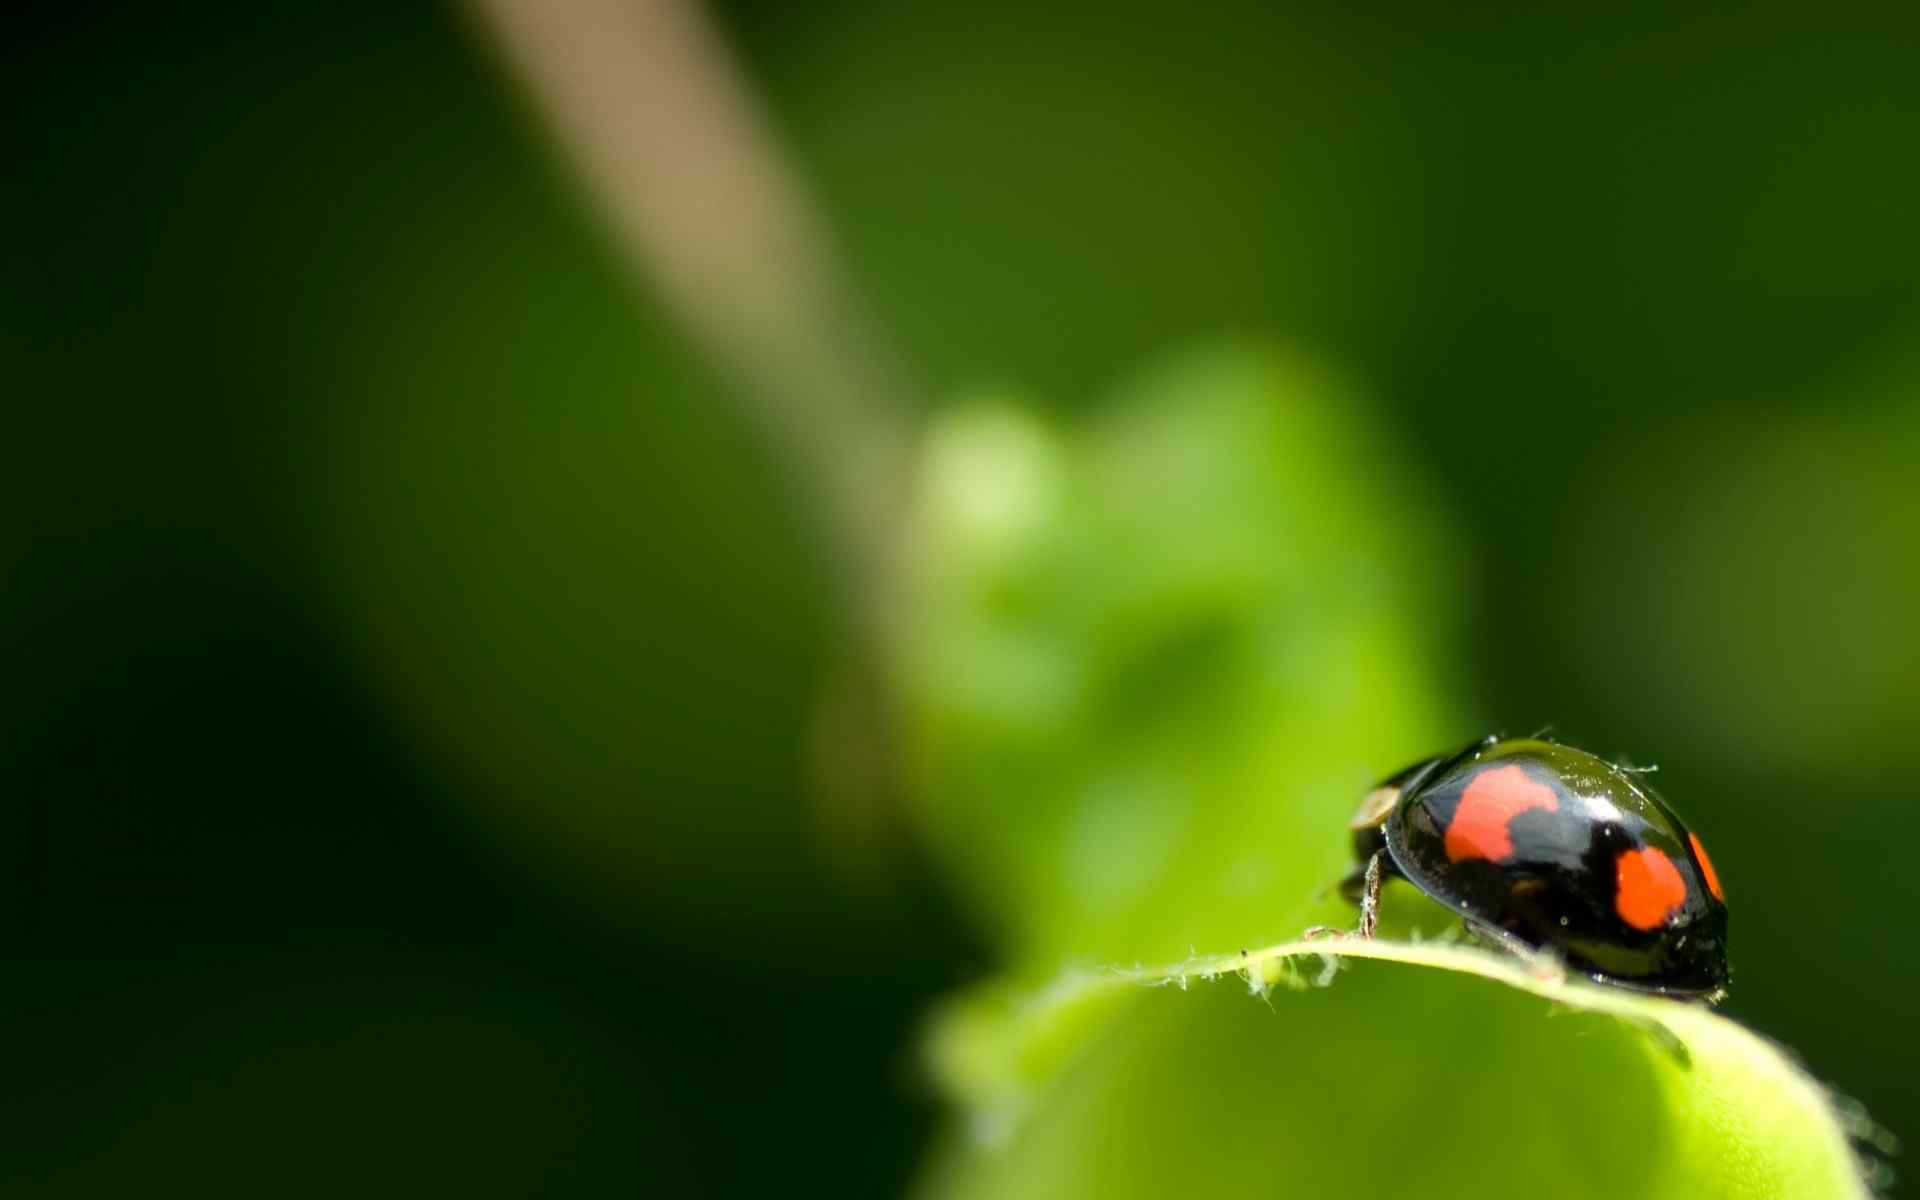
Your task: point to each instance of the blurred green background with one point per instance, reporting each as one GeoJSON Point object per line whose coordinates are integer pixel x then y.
{"type": "Point", "coordinates": [414, 657]}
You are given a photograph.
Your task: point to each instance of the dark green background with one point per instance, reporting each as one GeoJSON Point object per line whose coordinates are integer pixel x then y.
{"type": "Point", "coordinates": [366, 534]}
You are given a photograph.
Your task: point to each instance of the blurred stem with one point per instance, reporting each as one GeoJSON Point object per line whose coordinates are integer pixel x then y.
{"type": "Point", "coordinates": [644, 98]}
{"type": "Point", "coordinates": [650, 107]}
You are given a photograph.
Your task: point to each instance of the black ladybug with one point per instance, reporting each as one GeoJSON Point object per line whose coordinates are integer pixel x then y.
{"type": "Point", "coordinates": [1544, 847]}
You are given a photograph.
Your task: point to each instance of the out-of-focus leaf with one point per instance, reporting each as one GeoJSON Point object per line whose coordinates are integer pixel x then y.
{"type": "Point", "coordinates": [1453, 1080]}
{"type": "Point", "coordinates": [1153, 661]}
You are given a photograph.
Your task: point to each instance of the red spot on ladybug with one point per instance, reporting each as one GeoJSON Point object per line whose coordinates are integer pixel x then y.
{"type": "Point", "coordinates": [1494, 798]}
{"type": "Point", "coordinates": [1706, 868]}
{"type": "Point", "coordinates": [1647, 887]}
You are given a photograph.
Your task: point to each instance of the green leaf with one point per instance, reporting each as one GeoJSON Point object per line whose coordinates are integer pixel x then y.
{"type": "Point", "coordinates": [1155, 657]}
{"type": "Point", "coordinates": [1150, 662]}
{"type": "Point", "coordinates": [1426, 1070]}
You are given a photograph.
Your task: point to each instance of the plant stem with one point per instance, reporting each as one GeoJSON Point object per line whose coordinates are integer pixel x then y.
{"type": "Point", "coordinates": [648, 104]}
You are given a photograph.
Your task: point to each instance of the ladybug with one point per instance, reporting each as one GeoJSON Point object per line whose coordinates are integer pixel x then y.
{"type": "Point", "coordinates": [1542, 847]}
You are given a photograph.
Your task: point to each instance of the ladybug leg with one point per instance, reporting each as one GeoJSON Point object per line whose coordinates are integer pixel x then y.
{"type": "Point", "coordinates": [1370, 895]}
{"type": "Point", "coordinates": [1362, 887]}
{"type": "Point", "coordinates": [1500, 939]}
{"type": "Point", "coordinates": [1541, 962]}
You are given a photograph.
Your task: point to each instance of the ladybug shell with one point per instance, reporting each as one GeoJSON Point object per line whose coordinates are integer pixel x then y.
{"type": "Point", "coordinates": [1564, 850]}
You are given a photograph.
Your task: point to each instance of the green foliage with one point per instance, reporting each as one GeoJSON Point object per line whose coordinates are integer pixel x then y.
{"type": "Point", "coordinates": [1392, 1081]}
{"type": "Point", "coordinates": [1151, 665]}
{"type": "Point", "coordinates": [1150, 652]}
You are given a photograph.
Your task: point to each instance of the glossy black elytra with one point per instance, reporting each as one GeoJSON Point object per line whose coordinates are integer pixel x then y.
{"type": "Point", "coordinates": [1544, 847]}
